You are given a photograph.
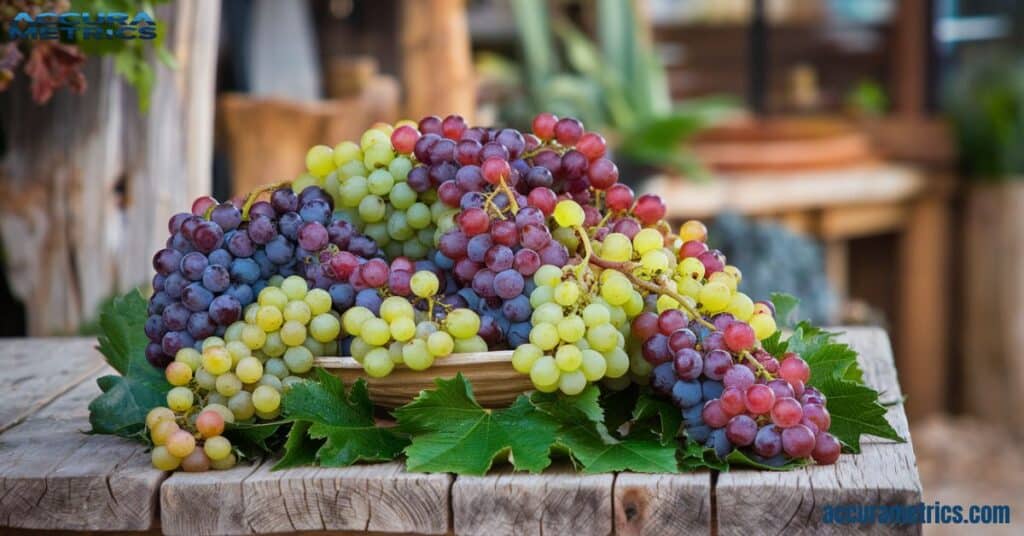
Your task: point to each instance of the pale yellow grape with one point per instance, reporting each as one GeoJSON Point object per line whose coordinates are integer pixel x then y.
{"type": "Point", "coordinates": [424, 283]}
{"type": "Point", "coordinates": [181, 444]}
{"type": "Point", "coordinates": [377, 363]}
{"type": "Point", "coordinates": [164, 460]}
{"type": "Point", "coordinates": [217, 360]}
{"type": "Point", "coordinates": [189, 356]}
{"type": "Point", "coordinates": [567, 237]}
{"type": "Point", "coordinates": [639, 366]}
{"type": "Point", "coordinates": [541, 295]}
{"type": "Point", "coordinates": [217, 447]}
{"type": "Point", "coordinates": [472, 344]}
{"type": "Point", "coordinates": [762, 308]}
{"type": "Point", "coordinates": [617, 247]}
{"type": "Point", "coordinates": [293, 333]}
{"type": "Point", "coordinates": [394, 307]}
{"type": "Point", "coordinates": [618, 313]}
{"type": "Point", "coordinates": [320, 160]}
{"type": "Point", "coordinates": [763, 324]}
{"type": "Point", "coordinates": [220, 408]}
{"type": "Point", "coordinates": [226, 463]}
{"type": "Point", "coordinates": [572, 383]}
{"type": "Point", "coordinates": [273, 346]}
{"type": "Point", "coordinates": [655, 261]}
{"type": "Point", "coordinates": [269, 415]}
{"type": "Point", "coordinates": [544, 371]}
{"type": "Point", "coordinates": [440, 344]}
{"type": "Point", "coordinates": [249, 314]}
{"type": "Point", "coordinates": [375, 332]}
{"type": "Point", "coordinates": [269, 318]}
{"type": "Point", "coordinates": [462, 323]}
{"type": "Point", "coordinates": [547, 388]}
{"type": "Point", "coordinates": [547, 275]}
{"type": "Point", "coordinates": [593, 365]}
{"type": "Point", "coordinates": [524, 356]}
{"type": "Point", "coordinates": [634, 306]}
{"type": "Point", "coordinates": [647, 240]}
{"type": "Point", "coordinates": [544, 335]}
{"type": "Point", "coordinates": [241, 406]}
{"type": "Point", "coordinates": [566, 293]}
{"type": "Point", "coordinates": [272, 297]}
{"type": "Point", "coordinates": [215, 397]}
{"type": "Point", "coordinates": [238, 351]}
{"type": "Point", "coordinates": [276, 366]}
{"type": "Point", "coordinates": [740, 306]}
{"type": "Point", "coordinates": [234, 331]}
{"type": "Point", "coordinates": [205, 380]}
{"type": "Point", "coordinates": [180, 399]}
{"type": "Point", "coordinates": [571, 328]}
{"type": "Point", "coordinates": [158, 415]}
{"type": "Point", "coordinates": [715, 296]}
{"type": "Point", "coordinates": [689, 287]}
{"type": "Point", "coordinates": [395, 351]}
{"type": "Point", "coordinates": [271, 381]}
{"type": "Point", "coordinates": [596, 314]}
{"type": "Point", "coordinates": [618, 363]}
{"type": "Point", "coordinates": [664, 303]}
{"type": "Point", "coordinates": [275, 280]}
{"type": "Point", "coordinates": [212, 342]}
{"type": "Point", "coordinates": [569, 213]}
{"type": "Point", "coordinates": [294, 287]}
{"type": "Point", "coordinates": [178, 373]}
{"type": "Point", "coordinates": [163, 430]}
{"type": "Point", "coordinates": [725, 279]}
{"type": "Point", "coordinates": [691, 268]}
{"type": "Point", "coordinates": [734, 272]}
{"type": "Point", "coordinates": [266, 399]}
{"type": "Point", "coordinates": [550, 313]}
{"type": "Point", "coordinates": [319, 301]}
{"type": "Point", "coordinates": [299, 359]}
{"type": "Point", "coordinates": [249, 370]}
{"type": "Point", "coordinates": [228, 384]}
{"type": "Point", "coordinates": [373, 137]}
{"type": "Point", "coordinates": [426, 327]}
{"type": "Point", "coordinates": [297, 310]}
{"type": "Point", "coordinates": [568, 357]}
{"type": "Point", "coordinates": [403, 329]}
{"type": "Point", "coordinates": [416, 356]}
{"type": "Point", "coordinates": [354, 318]}
{"type": "Point", "coordinates": [359, 348]}
{"type": "Point", "coordinates": [253, 336]}
{"type": "Point", "coordinates": [603, 337]}
{"type": "Point", "coordinates": [345, 152]}
{"type": "Point", "coordinates": [290, 381]}
{"type": "Point", "coordinates": [693, 230]}
{"type": "Point", "coordinates": [616, 290]}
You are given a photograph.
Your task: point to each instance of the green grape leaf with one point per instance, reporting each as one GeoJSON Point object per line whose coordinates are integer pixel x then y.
{"type": "Point", "coordinates": [586, 403]}
{"type": "Point", "coordinates": [696, 456]}
{"type": "Point", "coordinates": [739, 458]}
{"type": "Point", "coordinates": [618, 406]}
{"type": "Point", "coordinates": [668, 417]}
{"type": "Point", "coordinates": [344, 420]}
{"type": "Point", "coordinates": [299, 448]}
{"type": "Point", "coordinates": [855, 411]}
{"type": "Point", "coordinates": [126, 399]}
{"type": "Point", "coordinates": [785, 309]}
{"type": "Point", "coordinates": [451, 432]}
{"type": "Point", "coordinates": [590, 444]}
{"type": "Point", "coordinates": [255, 439]}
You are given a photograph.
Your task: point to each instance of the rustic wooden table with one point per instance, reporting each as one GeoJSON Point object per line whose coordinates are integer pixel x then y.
{"type": "Point", "coordinates": [56, 478]}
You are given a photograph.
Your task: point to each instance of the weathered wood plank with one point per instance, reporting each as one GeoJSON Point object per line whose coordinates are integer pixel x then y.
{"type": "Point", "coordinates": [41, 370]}
{"type": "Point", "coordinates": [748, 502]}
{"type": "Point", "coordinates": [255, 500]}
{"type": "Point", "coordinates": [559, 501]}
{"type": "Point", "coordinates": [53, 476]}
{"type": "Point", "coordinates": [876, 360]}
{"type": "Point", "coordinates": [662, 503]}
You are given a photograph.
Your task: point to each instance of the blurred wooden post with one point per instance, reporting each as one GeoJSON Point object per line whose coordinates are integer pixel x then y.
{"type": "Point", "coordinates": [88, 182]}
{"type": "Point", "coordinates": [437, 67]}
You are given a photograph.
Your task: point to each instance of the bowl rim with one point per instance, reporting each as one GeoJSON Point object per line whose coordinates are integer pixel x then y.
{"type": "Point", "coordinates": [452, 361]}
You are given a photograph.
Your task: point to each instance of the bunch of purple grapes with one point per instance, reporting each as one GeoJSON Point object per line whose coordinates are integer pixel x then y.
{"type": "Point", "coordinates": [216, 262]}
{"type": "Point", "coordinates": [731, 401]}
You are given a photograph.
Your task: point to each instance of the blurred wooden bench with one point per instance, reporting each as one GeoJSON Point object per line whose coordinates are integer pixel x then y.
{"type": "Point", "coordinates": [53, 477]}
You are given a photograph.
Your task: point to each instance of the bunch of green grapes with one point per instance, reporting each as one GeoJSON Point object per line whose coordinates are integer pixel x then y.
{"type": "Point", "coordinates": [370, 186]}
{"type": "Point", "coordinates": [401, 334]}
{"type": "Point", "coordinates": [575, 337]}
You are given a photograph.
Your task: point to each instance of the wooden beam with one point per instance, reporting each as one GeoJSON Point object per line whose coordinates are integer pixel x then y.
{"type": "Point", "coordinates": [437, 66]}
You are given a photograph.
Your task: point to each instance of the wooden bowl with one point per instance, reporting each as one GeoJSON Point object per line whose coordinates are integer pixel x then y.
{"type": "Point", "coordinates": [495, 382]}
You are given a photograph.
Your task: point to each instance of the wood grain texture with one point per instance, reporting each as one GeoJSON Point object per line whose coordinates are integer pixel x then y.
{"type": "Point", "coordinates": [41, 370]}
{"type": "Point", "coordinates": [750, 501]}
{"type": "Point", "coordinates": [53, 476]}
{"type": "Point", "coordinates": [255, 500]}
{"type": "Point", "coordinates": [662, 503]}
{"type": "Point", "coordinates": [560, 501]}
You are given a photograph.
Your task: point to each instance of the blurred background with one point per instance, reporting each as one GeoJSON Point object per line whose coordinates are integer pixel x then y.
{"type": "Point", "coordinates": [864, 155]}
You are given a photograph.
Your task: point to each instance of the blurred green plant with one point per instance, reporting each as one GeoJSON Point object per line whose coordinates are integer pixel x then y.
{"type": "Point", "coordinates": [867, 99]}
{"type": "Point", "coordinates": [616, 85]}
{"type": "Point", "coordinates": [985, 101]}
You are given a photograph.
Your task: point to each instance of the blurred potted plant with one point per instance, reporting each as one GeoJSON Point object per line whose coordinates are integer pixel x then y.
{"type": "Point", "coordinates": [616, 85]}
{"type": "Point", "coordinates": [986, 105]}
